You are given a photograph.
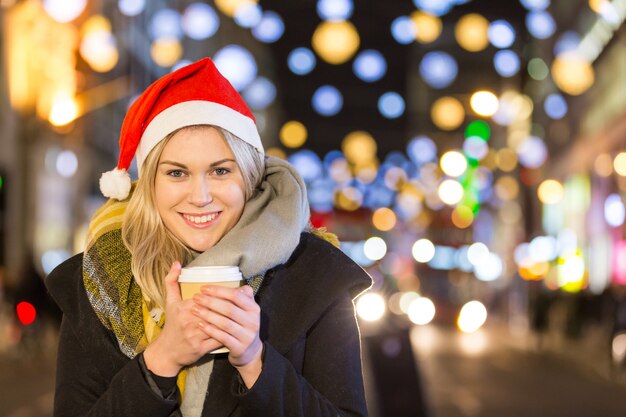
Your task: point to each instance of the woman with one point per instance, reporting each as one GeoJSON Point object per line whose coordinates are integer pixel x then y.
{"type": "Point", "coordinates": [206, 195]}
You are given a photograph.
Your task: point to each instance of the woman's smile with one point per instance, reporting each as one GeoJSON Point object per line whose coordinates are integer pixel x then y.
{"type": "Point", "coordinates": [199, 189]}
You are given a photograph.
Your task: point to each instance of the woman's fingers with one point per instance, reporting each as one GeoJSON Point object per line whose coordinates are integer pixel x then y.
{"type": "Point", "coordinates": [172, 290]}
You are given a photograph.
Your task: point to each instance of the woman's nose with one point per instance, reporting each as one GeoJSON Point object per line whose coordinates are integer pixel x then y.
{"type": "Point", "coordinates": [200, 194]}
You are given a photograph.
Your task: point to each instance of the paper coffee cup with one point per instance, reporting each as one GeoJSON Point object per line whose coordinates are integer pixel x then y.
{"type": "Point", "coordinates": [192, 279]}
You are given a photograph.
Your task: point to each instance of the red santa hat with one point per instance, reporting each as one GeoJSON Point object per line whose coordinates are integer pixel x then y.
{"type": "Point", "coordinates": [195, 94]}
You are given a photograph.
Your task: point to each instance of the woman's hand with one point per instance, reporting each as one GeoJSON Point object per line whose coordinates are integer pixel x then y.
{"type": "Point", "coordinates": [232, 317]}
{"type": "Point", "coordinates": [182, 341]}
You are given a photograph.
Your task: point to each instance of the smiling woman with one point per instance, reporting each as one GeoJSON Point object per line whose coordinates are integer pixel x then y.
{"type": "Point", "coordinates": [206, 196]}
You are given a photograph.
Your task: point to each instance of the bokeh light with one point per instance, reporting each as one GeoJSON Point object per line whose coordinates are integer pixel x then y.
{"type": "Point", "coordinates": [614, 210]}
{"type": "Point", "coordinates": [64, 11]}
{"type": "Point", "coordinates": [301, 61]}
{"type": "Point", "coordinates": [335, 42]}
{"type": "Point", "coordinates": [231, 7]}
{"type": "Point", "coordinates": [471, 32]}
{"type": "Point", "coordinates": [421, 311]}
{"type": "Point", "coordinates": [166, 23]}
{"type": "Point", "coordinates": [438, 69]}
{"type": "Point", "coordinates": [200, 21]}
{"type": "Point", "coordinates": [619, 164]}
{"type": "Point", "coordinates": [555, 106]}
{"type": "Point", "coordinates": [391, 105]}
{"type": "Point", "coordinates": [370, 306]}
{"type": "Point", "coordinates": [359, 147]}
{"type": "Point", "coordinates": [237, 64]}
{"type": "Point", "coordinates": [447, 113]}
{"type": "Point", "coordinates": [450, 192]}
{"type": "Point", "coordinates": [421, 149]}
{"type": "Point", "coordinates": [369, 65]}
{"type": "Point", "coordinates": [375, 248]}
{"type": "Point", "coordinates": [270, 28]}
{"type": "Point", "coordinates": [572, 74]}
{"type": "Point", "coordinates": [327, 100]}
{"type": "Point", "coordinates": [478, 128]}
{"type": "Point", "coordinates": [131, 7]}
{"type": "Point", "coordinates": [532, 152]}
{"type": "Point", "coordinates": [403, 30]}
{"type": "Point", "coordinates": [472, 317]}
{"type": "Point", "coordinates": [453, 163]}
{"type": "Point", "coordinates": [293, 134]}
{"type": "Point", "coordinates": [427, 27]}
{"type": "Point", "coordinates": [335, 9]}
{"type": "Point", "coordinates": [537, 69]}
{"type": "Point", "coordinates": [260, 93]}
{"type": "Point", "coordinates": [308, 164]}
{"type": "Point", "coordinates": [550, 191]}
{"type": "Point", "coordinates": [248, 15]}
{"type": "Point", "coordinates": [501, 34]}
{"type": "Point", "coordinates": [484, 103]}
{"type": "Point", "coordinates": [384, 219]}
{"type": "Point", "coordinates": [540, 24]}
{"type": "Point", "coordinates": [423, 250]}
{"type": "Point", "coordinates": [506, 63]}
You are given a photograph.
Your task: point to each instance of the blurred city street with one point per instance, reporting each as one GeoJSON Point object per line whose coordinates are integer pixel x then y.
{"type": "Point", "coordinates": [484, 374]}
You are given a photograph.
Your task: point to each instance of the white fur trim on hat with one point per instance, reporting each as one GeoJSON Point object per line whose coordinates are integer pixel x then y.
{"type": "Point", "coordinates": [196, 112]}
{"type": "Point", "coordinates": [115, 184]}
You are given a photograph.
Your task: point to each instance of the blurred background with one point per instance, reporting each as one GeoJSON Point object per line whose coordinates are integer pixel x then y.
{"type": "Point", "coordinates": [469, 154]}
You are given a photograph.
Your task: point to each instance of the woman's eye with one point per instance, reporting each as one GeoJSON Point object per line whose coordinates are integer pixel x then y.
{"type": "Point", "coordinates": [175, 173]}
{"type": "Point", "coordinates": [221, 171]}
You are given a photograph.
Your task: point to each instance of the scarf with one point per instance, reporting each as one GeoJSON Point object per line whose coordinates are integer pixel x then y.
{"type": "Point", "coordinates": [265, 236]}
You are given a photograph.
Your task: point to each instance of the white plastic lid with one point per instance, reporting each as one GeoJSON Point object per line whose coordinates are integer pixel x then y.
{"type": "Point", "coordinates": [210, 274]}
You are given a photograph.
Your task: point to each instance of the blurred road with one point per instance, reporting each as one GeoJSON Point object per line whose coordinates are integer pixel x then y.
{"type": "Point", "coordinates": [486, 374]}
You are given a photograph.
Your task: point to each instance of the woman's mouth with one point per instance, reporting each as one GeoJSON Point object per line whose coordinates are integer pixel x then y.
{"type": "Point", "coordinates": [200, 220]}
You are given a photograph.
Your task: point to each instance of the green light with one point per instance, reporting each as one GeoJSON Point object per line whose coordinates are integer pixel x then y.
{"type": "Point", "coordinates": [478, 128]}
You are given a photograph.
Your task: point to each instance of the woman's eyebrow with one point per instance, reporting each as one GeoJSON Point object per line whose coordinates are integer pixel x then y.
{"type": "Point", "coordinates": [213, 164]}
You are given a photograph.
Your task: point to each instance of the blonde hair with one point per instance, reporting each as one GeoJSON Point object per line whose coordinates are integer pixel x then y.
{"type": "Point", "coordinates": [152, 246]}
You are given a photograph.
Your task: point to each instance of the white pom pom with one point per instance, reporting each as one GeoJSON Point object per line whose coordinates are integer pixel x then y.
{"type": "Point", "coordinates": [115, 184]}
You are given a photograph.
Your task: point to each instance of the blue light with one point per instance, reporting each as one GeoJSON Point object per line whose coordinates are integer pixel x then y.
{"type": "Point", "coordinates": [421, 149]}
{"type": "Point", "coordinates": [307, 163]}
{"type": "Point", "coordinates": [301, 61]}
{"type": "Point", "coordinates": [506, 62]}
{"type": "Point", "coordinates": [501, 34]}
{"type": "Point", "coordinates": [166, 23]}
{"type": "Point", "coordinates": [391, 105]}
{"type": "Point", "coordinates": [475, 148]}
{"type": "Point", "coordinates": [378, 195]}
{"type": "Point", "coordinates": [249, 15]}
{"type": "Point", "coordinates": [200, 21]}
{"type": "Point", "coordinates": [540, 24]}
{"type": "Point", "coordinates": [434, 7]}
{"type": "Point", "coordinates": [555, 106]}
{"type": "Point", "coordinates": [403, 30]}
{"type": "Point", "coordinates": [335, 9]}
{"type": "Point", "coordinates": [568, 41]}
{"type": "Point", "coordinates": [327, 100]}
{"type": "Point", "coordinates": [438, 69]}
{"type": "Point", "coordinates": [321, 193]}
{"type": "Point", "coordinates": [370, 65]}
{"type": "Point", "coordinates": [532, 152]}
{"type": "Point", "coordinates": [131, 7]}
{"type": "Point", "coordinates": [237, 64]}
{"type": "Point", "coordinates": [614, 211]}
{"type": "Point", "coordinates": [331, 156]}
{"type": "Point", "coordinates": [444, 258]}
{"type": "Point", "coordinates": [535, 4]}
{"type": "Point", "coordinates": [270, 28]}
{"type": "Point", "coordinates": [260, 93]}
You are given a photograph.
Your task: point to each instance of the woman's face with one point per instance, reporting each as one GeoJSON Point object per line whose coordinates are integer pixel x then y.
{"type": "Point", "coordinates": [199, 189]}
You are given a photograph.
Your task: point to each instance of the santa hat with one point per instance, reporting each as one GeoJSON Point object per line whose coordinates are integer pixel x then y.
{"type": "Point", "coordinates": [195, 94]}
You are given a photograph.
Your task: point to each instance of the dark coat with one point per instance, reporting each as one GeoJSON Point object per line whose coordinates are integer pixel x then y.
{"type": "Point", "coordinates": [311, 362]}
